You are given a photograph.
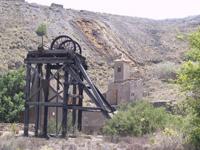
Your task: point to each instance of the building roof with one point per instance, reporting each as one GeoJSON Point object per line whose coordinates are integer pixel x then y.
{"type": "Point", "coordinates": [122, 59]}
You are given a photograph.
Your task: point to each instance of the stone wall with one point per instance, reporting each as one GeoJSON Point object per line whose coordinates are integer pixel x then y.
{"type": "Point", "coordinates": [168, 104]}
{"type": "Point", "coordinates": [162, 103]}
{"type": "Point", "coordinates": [122, 92]}
{"type": "Point", "coordinates": [93, 122]}
{"type": "Point", "coordinates": [136, 89]}
{"type": "Point", "coordinates": [118, 93]}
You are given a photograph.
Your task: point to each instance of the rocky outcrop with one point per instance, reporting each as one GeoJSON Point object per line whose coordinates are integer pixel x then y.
{"type": "Point", "coordinates": [56, 5]}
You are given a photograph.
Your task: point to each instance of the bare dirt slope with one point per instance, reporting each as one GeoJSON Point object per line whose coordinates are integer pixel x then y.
{"type": "Point", "coordinates": [147, 43]}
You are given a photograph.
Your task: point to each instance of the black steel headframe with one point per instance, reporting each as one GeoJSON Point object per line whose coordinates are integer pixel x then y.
{"type": "Point", "coordinates": [65, 66]}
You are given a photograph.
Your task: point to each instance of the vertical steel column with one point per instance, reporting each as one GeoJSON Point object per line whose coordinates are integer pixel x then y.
{"type": "Point", "coordinates": [26, 118]}
{"type": "Point", "coordinates": [58, 78]}
{"type": "Point", "coordinates": [37, 100]}
{"type": "Point", "coordinates": [74, 104]}
{"type": "Point", "coordinates": [46, 95]}
{"type": "Point", "coordinates": [80, 103]}
{"type": "Point", "coordinates": [66, 96]}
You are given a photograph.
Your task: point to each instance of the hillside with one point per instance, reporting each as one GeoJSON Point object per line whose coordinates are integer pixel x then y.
{"type": "Point", "coordinates": [147, 43]}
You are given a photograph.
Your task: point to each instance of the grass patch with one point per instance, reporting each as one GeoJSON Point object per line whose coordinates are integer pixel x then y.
{"type": "Point", "coordinates": [165, 70]}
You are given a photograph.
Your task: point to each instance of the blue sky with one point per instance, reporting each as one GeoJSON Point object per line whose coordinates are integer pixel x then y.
{"type": "Point", "coordinates": [153, 9]}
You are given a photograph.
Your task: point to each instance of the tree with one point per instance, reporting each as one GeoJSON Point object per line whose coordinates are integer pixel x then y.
{"type": "Point", "coordinates": [12, 96]}
{"type": "Point", "coordinates": [189, 80]}
{"type": "Point", "coordinates": [41, 30]}
{"type": "Point", "coordinates": [189, 74]}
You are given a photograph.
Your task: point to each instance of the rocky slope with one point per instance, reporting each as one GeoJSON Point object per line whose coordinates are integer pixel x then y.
{"type": "Point", "coordinates": [147, 43]}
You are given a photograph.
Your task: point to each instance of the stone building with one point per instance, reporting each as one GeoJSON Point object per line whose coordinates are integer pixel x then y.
{"type": "Point", "coordinates": [123, 89]}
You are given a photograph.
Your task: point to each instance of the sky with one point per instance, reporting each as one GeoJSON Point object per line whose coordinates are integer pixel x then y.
{"type": "Point", "coordinates": [152, 9]}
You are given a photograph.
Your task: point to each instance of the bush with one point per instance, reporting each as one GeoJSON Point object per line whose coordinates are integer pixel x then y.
{"type": "Point", "coordinates": [12, 96]}
{"type": "Point", "coordinates": [15, 128]}
{"type": "Point", "coordinates": [165, 70]}
{"type": "Point", "coordinates": [167, 139]}
{"type": "Point", "coordinates": [51, 126]}
{"type": "Point", "coordinates": [136, 119]}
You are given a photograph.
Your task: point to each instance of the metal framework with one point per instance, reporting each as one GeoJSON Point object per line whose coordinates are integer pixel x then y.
{"type": "Point", "coordinates": [64, 64]}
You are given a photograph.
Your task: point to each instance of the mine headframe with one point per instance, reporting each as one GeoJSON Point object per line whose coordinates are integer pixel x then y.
{"type": "Point", "coordinates": [57, 78]}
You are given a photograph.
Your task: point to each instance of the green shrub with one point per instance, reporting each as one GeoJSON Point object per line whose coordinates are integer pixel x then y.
{"type": "Point", "coordinates": [51, 126]}
{"type": "Point", "coordinates": [168, 139]}
{"type": "Point", "coordinates": [194, 137]}
{"type": "Point", "coordinates": [136, 119]}
{"type": "Point", "coordinates": [14, 129]}
{"type": "Point", "coordinates": [165, 70]}
{"type": "Point", "coordinates": [177, 31]}
{"type": "Point", "coordinates": [12, 96]}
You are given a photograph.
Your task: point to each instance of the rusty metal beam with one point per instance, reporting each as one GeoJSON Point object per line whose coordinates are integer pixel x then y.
{"type": "Point", "coordinates": [61, 68]}
{"type": "Point", "coordinates": [37, 100]}
{"type": "Point", "coordinates": [105, 101]}
{"type": "Point", "coordinates": [49, 52]}
{"type": "Point", "coordinates": [46, 95]}
{"type": "Point", "coordinates": [90, 83]}
{"type": "Point", "coordinates": [47, 60]}
{"type": "Point", "coordinates": [35, 71]}
{"type": "Point", "coordinates": [50, 104]}
{"type": "Point", "coordinates": [77, 78]}
{"type": "Point", "coordinates": [59, 104]}
{"type": "Point", "coordinates": [74, 103]}
{"type": "Point", "coordinates": [80, 104]}
{"type": "Point", "coordinates": [66, 96]}
{"type": "Point", "coordinates": [26, 118]}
